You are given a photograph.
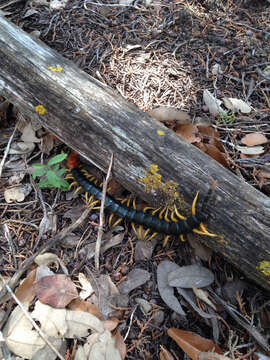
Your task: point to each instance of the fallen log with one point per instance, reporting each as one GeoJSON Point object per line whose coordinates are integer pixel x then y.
{"type": "Point", "coordinates": [96, 121]}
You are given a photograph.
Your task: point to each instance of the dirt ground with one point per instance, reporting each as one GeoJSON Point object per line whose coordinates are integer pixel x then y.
{"type": "Point", "coordinates": [156, 55]}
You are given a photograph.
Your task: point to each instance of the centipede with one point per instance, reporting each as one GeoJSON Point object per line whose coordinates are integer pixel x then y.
{"type": "Point", "coordinates": [154, 221]}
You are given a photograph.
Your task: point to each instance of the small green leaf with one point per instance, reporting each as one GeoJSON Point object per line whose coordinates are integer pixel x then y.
{"type": "Point", "coordinates": [39, 172]}
{"type": "Point", "coordinates": [43, 183]}
{"type": "Point", "coordinates": [57, 159]}
{"type": "Point", "coordinates": [55, 168]}
{"type": "Point", "coordinates": [52, 178]}
{"type": "Point", "coordinates": [61, 172]}
{"type": "Point", "coordinates": [39, 166]}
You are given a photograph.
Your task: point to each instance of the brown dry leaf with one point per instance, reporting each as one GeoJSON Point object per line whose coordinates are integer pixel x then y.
{"type": "Point", "coordinates": [165, 354]}
{"type": "Point", "coordinates": [120, 344]}
{"type": "Point", "coordinates": [25, 292]}
{"type": "Point", "coordinates": [188, 132]}
{"type": "Point", "coordinates": [166, 114]}
{"type": "Point", "coordinates": [47, 143]}
{"type": "Point", "coordinates": [57, 290]}
{"type": "Point", "coordinates": [208, 130]}
{"type": "Point", "coordinates": [111, 324]}
{"type": "Point", "coordinates": [214, 152]}
{"type": "Point", "coordinates": [114, 188]}
{"type": "Point", "coordinates": [192, 344]}
{"type": "Point", "coordinates": [83, 305]}
{"type": "Point", "coordinates": [255, 138]}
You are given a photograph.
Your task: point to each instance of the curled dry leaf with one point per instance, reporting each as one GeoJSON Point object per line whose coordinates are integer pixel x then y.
{"type": "Point", "coordinates": [204, 296]}
{"type": "Point", "coordinates": [236, 105]}
{"type": "Point", "coordinates": [66, 323]}
{"type": "Point", "coordinates": [87, 289]}
{"type": "Point", "coordinates": [25, 292]}
{"type": "Point", "coordinates": [28, 134]}
{"type": "Point", "coordinates": [82, 305]}
{"type": "Point", "coordinates": [166, 114]}
{"type": "Point", "coordinates": [188, 132]}
{"type": "Point", "coordinates": [57, 290]}
{"type": "Point", "coordinates": [17, 193]}
{"type": "Point", "coordinates": [165, 290]}
{"type": "Point", "coordinates": [216, 69]}
{"type": "Point", "coordinates": [190, 276]}
{"type": "Point", "coordinates": [255, 138]}
{"type": "Point", "coordinates": [212, 103]}
{"type": "Point", "coordinates": [19, 336]}
{"type": "Point", "coordinates": [192, 344]}
{"type": "Point", "coordinates": [47, 259]}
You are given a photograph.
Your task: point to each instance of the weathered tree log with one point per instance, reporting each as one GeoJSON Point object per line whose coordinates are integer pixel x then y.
{"type": "Point", "coordinates": [96, 121]}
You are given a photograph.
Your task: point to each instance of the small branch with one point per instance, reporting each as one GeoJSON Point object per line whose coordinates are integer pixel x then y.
{"type": "Point", "coordinates": [6, 151]}
{"type": "Point", "coordinates": [101, 215]}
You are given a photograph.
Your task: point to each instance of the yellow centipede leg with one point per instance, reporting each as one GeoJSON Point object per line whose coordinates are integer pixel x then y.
{"type": "Point", "coordinates": [181, 217]}
{"type": "Point", "coordinates": [134, 229]}
{"type": "Point", "coordinates": [111, 219]}
{"type": "Point", "coordinates": [117, 222]}
{"type": "Point", "coordinates": [77, 190]}
{"type": "Point", "coordinates": [165, 241]}
{"type": "Point", "coordinates": [152, 236]}
{"type": "Point", "coordinates": [193, 209]}
{"type": "Point", "coordinates": [182, 238]}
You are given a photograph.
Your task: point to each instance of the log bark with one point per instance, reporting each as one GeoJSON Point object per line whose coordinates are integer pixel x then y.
{"type": "Point", "coordinates": [96, 121]}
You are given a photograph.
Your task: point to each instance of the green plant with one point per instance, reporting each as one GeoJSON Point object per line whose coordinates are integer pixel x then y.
{"type": "Point", "coordinates": [228, 119]}
{"type": "Point", "coordinates": [52, 173]}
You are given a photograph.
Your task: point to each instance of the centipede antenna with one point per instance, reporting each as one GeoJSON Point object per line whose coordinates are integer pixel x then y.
{"type": "Point", "coordinates": [208, 196]}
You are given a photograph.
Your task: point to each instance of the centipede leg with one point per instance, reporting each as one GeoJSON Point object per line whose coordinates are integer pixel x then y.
{"type": "Point", "coordinates": [165, 241]}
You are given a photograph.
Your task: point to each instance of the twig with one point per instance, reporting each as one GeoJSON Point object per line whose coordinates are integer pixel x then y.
{"type": "Point", "coordinates": [6, 151]}
{"type": "Point", "coordinates": [101, 215]}
{"type": "Point", "coordinates": [11, 245]}
{"type": "Point", "coordinates": [16, 277]}
{"type": "Point", "coordinates": [27, 315]}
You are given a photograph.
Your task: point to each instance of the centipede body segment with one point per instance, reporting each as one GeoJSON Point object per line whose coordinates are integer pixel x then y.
{"type": "Point", "coordinates": [158, 221]}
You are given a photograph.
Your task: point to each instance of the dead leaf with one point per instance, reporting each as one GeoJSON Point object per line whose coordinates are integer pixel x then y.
{"type": "Point", "coordinates": [87, 289]}
{"type": "Point", "coordinates": [212, 356]}
{"type": "Point", "coordinates": [21, 148]}
{"type": "Point", "coordinates": [135, 278]}
{"type": "Point", "coordinates": [19, 336]}
{"type": "Point", "coordinates": [101, 347]}
{"type": "Point", "coordinates": [192, 344]}
{"type": "Point", "coordinates": [17, 193]}
{"type": "Point", "coordinates": [166, 114]}
{"type": "Point", "coordinates": [164, 354]}
{"type": "Point", "coordinates": [215, 153]}
{"type": "Point", "coordinates": [212, 103]}
{"type": "Point", "coordinates": [83, 305]}
{"type": "Point", "coordinates": [144, 249]}
{"type": "Point", "coordinates": [110, 324]}
{"type": "Point", "coordinates": [165, 290]}
{"type": "Point", "coordinates": [66, 323]}
{"type": "Point", "coordinates": [200, 250]}
{"type": "Point", "coordinates": [204, 296]}
{"type": "Point", "coordinates": [47, 259]}
{"type": "Point", "coordinates": [57, 290]}
{"type": "Point", "coordinates": [236, 105]}
{"type": "Point", "coordinates": [120, 344]}
{"type": "Point", "coordinates": [250, 150]}
{"type": "Point", "coordinates": [188, 132]}
{"type": "Point", "coordinates": [29, 135]}
{"type": "Point", "coordinates": [25, 292]}
{"type": "Point", "coordinates": [255, 138]}
{"type": "Point", "coordinates": [47, 143]}
{"type": "Point", "coordinates": [191, 276]}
